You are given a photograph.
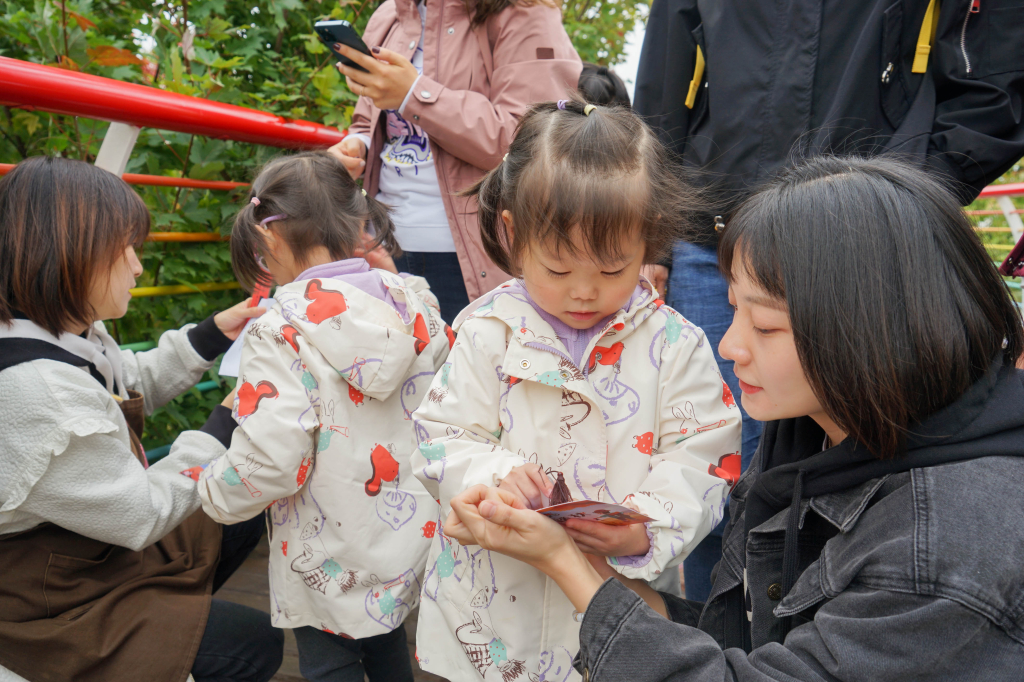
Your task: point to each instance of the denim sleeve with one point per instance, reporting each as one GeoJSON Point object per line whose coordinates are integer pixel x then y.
{"type": "Point", "coordinates": [862, 634]}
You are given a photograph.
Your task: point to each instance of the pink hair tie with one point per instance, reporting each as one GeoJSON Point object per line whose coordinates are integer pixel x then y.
{"type": "Point", "coordinates": [255, 201]}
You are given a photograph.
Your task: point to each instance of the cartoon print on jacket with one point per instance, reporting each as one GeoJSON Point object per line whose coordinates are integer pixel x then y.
{"type": "Point", "coordinates": [325, 303]}
{"type": "Point", "coordinates": [383, 467]}
{"type": "Point", "coordinates": [514, 396]}
{"type": "Point", "coordinates": [484, 649]}
{"type": "Point", "coordinates": [249, 397]}
{"type": "Point", "coordinates": [389, 602]}
{"type": "Point", "coordinates": [330, 430]}
{"type": "Point", "coordinates": [232, 476]}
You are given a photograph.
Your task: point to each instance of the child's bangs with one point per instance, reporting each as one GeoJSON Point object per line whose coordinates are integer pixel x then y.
{"type": "Point", "coordinates": [581, 214]}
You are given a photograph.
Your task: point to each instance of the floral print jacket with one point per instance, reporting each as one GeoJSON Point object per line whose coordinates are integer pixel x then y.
{"type": "Point", "coordinates": [329, 379]}
{"type": "Point", "coordinates": [646, 421]}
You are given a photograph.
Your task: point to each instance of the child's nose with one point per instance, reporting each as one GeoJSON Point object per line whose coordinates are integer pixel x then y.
{"type": "Point", "coordinates": [583, 292]}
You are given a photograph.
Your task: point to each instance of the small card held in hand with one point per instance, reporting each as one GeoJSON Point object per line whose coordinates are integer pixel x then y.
{"type": "Point", "coordinates": [588, 510]}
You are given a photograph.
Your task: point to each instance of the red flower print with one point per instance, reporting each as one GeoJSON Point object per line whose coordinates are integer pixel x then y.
{"type": "Point", "coordinates": [284, 547]}
{"type": "Point", "coordinates": [325, 303]}
{"type": "Point", "coordinates": [250, 397]}
{"type": "Point", "coordinates": [451, 336]}
{"type": "Point", "coordinates": [429, 528]}
{"type": "Point", "coordinates": [355, 395]}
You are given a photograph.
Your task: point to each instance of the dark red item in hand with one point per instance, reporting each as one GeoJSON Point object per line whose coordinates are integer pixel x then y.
{"type": "Point", "coordinates": [561, 494]}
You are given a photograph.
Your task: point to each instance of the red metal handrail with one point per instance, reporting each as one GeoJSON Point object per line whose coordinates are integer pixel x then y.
{"type": "Point", "coordinates": [46, 88]}
{"type": "Point", "coordinates": [1010, 189]}
{"type": "Point", "coordinates": [162, 180]}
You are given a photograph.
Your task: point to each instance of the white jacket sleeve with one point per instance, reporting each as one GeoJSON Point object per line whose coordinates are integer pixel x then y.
{"type": "Point", "coordinates": [460, 434]}
{"type": "Point", "coordinates": [272, 448]}
{"type": "Point", "coordinates": [70, 463]}
{"type": "Point", "coordinates": [696, 448]}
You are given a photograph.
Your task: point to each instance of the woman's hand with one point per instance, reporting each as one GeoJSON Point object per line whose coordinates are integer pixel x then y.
{"type": "Point", "coordinates": [376, 258]}
{"type": "Point", "coordinates": [528, 483]}
{"type": "Point", "coordinates": [352, 153]}
{"type": "Point", "coordinates": [230, 322]}
{"type": "Point", "coordinates": [496, 520]}
{"type": "Point", "coordinates": [389, 79]}
{"type": "Point", "coordinates": [604, 540]}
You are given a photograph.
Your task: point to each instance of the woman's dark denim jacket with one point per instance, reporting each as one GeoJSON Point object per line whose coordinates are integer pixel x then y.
{"type": "Point", "coordinates": [914, 576]}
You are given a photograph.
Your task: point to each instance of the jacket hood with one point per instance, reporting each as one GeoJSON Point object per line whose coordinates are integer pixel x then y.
{"type": "Point", "coordinates": [368, 341]}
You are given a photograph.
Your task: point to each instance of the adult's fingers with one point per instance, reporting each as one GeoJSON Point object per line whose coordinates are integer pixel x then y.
{"type": "Point", "coordinates": [365, 61]}
{"type": "Point", "coordinates": [540, 479]}
{"type": "Point", "coordinates": [454, 528]}
{"type": "Point", "coordinates": [530, 490]}
{"type": "Point", "coordinates": [385, 55]}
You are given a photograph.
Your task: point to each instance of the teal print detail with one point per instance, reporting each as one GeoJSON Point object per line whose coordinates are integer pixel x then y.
{"type": "Point", "coordinates": [387, 602]}
{"type": "Point", "coordinates": [554, 377]}
{"type": "Point", "coordinates": [309, 381]}
{"type": "Point", "coordinates": [673, 328]}
{"type": "Point", "coordinates": [445, 369]}
{"type": "Point", "coordinates": [231, 476]}
{"type": "Point", "coordinates": [498, 653]}
{"type": "Point", "coordinates": [325, 440]}
{"type": "Point", "coordinates": [445, 563]}
{"type": "Point", "coordinates": [432, 452]}
{"type": "Point", "coordinates": [332, 568]}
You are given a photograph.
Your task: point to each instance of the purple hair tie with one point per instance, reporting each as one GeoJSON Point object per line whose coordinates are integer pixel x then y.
{"type": "Point", "coordinates": [561, 104]}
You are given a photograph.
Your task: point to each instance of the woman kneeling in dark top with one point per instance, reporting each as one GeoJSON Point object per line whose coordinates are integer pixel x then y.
{"type": "Point", "coordinates": [876, 538]}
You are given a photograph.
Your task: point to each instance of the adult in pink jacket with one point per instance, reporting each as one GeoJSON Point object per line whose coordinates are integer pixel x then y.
{"type": "Point", "coordinates": [437, 110]}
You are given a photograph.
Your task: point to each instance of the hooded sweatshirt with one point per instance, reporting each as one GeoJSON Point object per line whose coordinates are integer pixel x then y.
{"type": "Point", "coordinates": [329, 378]}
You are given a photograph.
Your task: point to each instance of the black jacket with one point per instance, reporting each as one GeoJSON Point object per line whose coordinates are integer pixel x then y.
{"type": "Point", "coordinates": [913, 575]}
{"type": "Point", "coordinates": [792, 78]}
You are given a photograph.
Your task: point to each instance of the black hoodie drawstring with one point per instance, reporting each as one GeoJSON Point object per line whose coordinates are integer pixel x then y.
{"type": "Point", "coordinates": [791, 550]}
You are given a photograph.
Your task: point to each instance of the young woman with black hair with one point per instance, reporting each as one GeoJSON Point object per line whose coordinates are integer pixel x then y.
{"type": "Point", "coordinates": [875, 537]}
{"type": "Point", "coordinates": [107, 562]}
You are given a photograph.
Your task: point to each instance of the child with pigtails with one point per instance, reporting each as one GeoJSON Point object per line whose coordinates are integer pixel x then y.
{"type": "Point", "coordinates": [576, 372]}
{"type": "Point", "coordinates": [328, 381]}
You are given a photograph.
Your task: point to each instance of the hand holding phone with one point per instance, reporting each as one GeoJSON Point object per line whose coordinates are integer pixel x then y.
{"type": "Point", "coordinates": [340, 31]}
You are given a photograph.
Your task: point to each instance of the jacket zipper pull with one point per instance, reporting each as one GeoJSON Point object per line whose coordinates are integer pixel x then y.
{"type": "Point", "coordinates": [975, 6]}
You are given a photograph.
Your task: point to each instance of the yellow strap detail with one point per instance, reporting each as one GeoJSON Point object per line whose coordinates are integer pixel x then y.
{"type": "Point", "coordinates": [926, 38]}
{"type": "Point", "coordinates": [698, 74]}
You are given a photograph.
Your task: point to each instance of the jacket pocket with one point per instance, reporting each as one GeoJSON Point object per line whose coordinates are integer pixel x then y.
{"type": "Point", "coordinates": [894, 92]}
{"type": "Point", "coordinates": [72, 584]}
{"type": "Point", "coordinates": [1003, 44]}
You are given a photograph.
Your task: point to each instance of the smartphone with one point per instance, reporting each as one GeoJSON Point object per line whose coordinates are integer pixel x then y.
{"type": "Point", "coordinates": [340, 31]}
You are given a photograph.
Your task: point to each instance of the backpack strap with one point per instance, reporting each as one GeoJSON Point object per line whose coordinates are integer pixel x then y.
{"type": "Point", "coordinates": [16, 350]}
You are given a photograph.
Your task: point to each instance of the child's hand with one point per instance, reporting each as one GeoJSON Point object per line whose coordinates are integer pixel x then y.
{"type": "Point", "coordinates": [528, 482]}
{"type": "Point", "coordinates": [352, 153]}
{"type": "Point", "coordinates": [231, 321]}
{"type": "Point", "coordinates": [605, 540]}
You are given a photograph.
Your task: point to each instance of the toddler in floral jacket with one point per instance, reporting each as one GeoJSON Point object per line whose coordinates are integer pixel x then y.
{"type": "Point", "coordinates": [575, 370]}
{"type": "Point", "coordinates": [329, 378]}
